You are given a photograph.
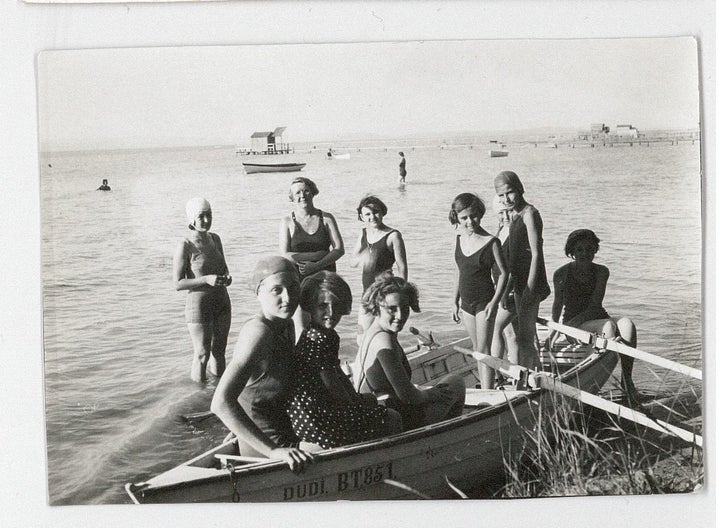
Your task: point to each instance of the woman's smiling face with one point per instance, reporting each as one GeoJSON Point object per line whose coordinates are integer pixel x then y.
{"type": "Point", "coordinates": [394, 312]}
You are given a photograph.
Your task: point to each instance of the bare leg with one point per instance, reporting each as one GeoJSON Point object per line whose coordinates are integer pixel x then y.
{"type": "Point", "coordinates": [628, 333]}
{"type": "Point", "coordinates": [201, 335]}
{"type": "Point", "coordinates": [527, 313]}
{"type": "Point", "coordinates": [470, 325]}
{"type": "Point", "coordinates": [221, 328]}
{"type": "Point", "coordinates": [503, 340]}
{"type": "Point", "coordinates": [483, 333]}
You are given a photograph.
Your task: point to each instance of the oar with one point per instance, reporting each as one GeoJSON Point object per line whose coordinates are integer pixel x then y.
{"type": "Point", "coordinates": [545, 381]}
{"type": "Point", "coordinates": [548, 382]}
{"type": "Point", "coordinates": [194, 418]}
{"type": "Point", "coordinates": [621, 348]}
{"type": "Point", "coordinates": [506, 368]}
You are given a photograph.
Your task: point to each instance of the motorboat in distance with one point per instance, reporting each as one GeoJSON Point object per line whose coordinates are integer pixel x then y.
{"type": "Point", "coordinates": [252, 168]}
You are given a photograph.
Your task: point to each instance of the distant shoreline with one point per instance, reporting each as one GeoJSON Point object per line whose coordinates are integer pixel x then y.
{"type": "Point", "coordinates": [479, 140]}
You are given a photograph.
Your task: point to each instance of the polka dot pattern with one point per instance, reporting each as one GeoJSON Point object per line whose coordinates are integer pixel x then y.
{"type": "Point", "coordinates": [316, 417]}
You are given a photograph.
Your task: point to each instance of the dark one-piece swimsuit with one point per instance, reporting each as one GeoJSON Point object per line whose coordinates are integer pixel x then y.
{"type": "Point", "coordinates": [303, 242]}
{"type": "Point", "coordinates": [475, 283]}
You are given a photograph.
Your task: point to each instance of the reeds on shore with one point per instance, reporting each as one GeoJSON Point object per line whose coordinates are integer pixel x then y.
{"type": "Point", "coordinates": [584, 451]}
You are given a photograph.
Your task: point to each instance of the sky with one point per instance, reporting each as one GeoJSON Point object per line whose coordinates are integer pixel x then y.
{"type": "Point", "coordinates": [157, 97]}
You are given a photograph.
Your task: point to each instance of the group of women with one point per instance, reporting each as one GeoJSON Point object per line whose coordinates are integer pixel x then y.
{"type": "Point", "coordinates": [284, 394]}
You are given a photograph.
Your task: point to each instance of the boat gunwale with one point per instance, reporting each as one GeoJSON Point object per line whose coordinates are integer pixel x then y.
{"type": "Point", "coordinates": [405, 437]}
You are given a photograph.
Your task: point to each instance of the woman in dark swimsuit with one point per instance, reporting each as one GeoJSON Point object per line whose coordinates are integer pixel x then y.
{"type": "Point", "coordinates": [309, 237]}
{"type": "Point", "coordinates": [579, 293]}
{"type": "Point", "coordinates": [378, 248]}
{"type": "Point", "coordinates": [251, 397]}
{"type": "Point", "coordinates": [475, 296]}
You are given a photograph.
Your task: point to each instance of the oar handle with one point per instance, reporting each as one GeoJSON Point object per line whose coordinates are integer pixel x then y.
{"type": "Point", "coordinates": [600, 342]}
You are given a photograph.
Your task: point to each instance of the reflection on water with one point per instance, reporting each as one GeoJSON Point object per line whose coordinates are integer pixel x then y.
{"type": "Point", "coordinates": [117, 352]}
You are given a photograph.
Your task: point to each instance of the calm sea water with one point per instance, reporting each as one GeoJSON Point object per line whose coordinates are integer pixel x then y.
{"type": "Point", "coordinates": [117, 351]}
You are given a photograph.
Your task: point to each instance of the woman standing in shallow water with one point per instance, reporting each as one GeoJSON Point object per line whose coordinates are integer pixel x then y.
{"type": "Point", "coordinates": [309, 237]}
{"type": "Point", "coordinates": [377, 250]}
{"type": "Point", "coordinates": [526, 262]}
{"type": "Point", "coordinates": [199, 267]}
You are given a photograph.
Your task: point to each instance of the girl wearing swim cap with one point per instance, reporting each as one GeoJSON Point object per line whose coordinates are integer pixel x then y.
{"type": "Point", "coordinates": [526, 263]}
{"type": "Point", "coordinates": [251, 397]}
{"type": "Point", "coordinates": [199, 267]}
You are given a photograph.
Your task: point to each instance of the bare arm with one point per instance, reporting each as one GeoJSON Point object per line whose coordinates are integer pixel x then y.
{"type": "Point", "coordinates": [559, 287]}
{"type": "Point", "coordinates": [398, 246]}
{"type": "Point", "coordinates": [534, 225]}
{"type": "Point", "coordinates": [392, 366]}
{"type": "Point", "coordinates": [502, 273]}
{"type": "Point", "coordinates": [227, 278]}
{"type": "Point", "coordinates": [357, 251]}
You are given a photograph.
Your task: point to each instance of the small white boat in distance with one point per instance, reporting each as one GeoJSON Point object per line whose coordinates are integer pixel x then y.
{"type": "Point", "coordinates": [251, 168]}
{"type": "Point", "coordinates": [498, 153]}
{"type": "Point", "coordinates": [343, 156]}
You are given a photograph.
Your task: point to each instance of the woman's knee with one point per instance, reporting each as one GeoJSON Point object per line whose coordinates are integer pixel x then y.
{"type": "Point", "coordinates": [627, 330]}
{"type": "Point", "coordinates": [609, 329]}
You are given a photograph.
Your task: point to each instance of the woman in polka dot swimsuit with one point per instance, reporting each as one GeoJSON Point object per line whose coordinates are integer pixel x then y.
{"type": "Point", "coordinates": [325, 409]}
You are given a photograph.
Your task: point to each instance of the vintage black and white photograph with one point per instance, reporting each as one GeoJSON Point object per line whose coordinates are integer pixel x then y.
{"type": "Point", "coordinates": [372, 271]}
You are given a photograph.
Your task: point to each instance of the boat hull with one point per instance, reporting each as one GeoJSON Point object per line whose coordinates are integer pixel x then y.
{"type": "Point", "coordinates": [498, 153]}
{"type": "Point", "coordinates": [252, 168]}
{"type": "Point", "coordinates": [467, 451]}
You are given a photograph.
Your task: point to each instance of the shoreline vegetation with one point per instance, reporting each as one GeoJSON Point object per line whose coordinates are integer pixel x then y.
{"type": "Point", "coordinates": [591, 452]}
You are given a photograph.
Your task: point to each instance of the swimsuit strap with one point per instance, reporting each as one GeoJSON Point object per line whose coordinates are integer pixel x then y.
{"type": "Point", "coordinates": [371, 244]}
{"type": "Point", "coordinates": [321, 224]}
{"type": "Point", "coordinates": [365, 343]}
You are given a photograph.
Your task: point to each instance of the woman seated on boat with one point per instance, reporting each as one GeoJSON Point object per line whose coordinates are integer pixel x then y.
{"type": "Point", "coordinates": [324, 407]}
{"type": "Point", "coordinates": [309, 237]}
{"type": "Point", "coordinates": [579, 293]}
{"type": "Point", "coordinates": [377, 249]}
{"type": "Point", "coordinates": [251, 397]}
{"type": "Point", "coordinates": [382, 367]}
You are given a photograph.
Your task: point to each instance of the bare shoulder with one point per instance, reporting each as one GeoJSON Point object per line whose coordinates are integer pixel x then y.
{"type": "Point", "coordinates": [253, 335]}
{"type": "Point", "coordinates": [561, 273]}
{"type": "Point", "coordinates": [602, 271]}
{"type": "Point", "coordinates": [328, 218]}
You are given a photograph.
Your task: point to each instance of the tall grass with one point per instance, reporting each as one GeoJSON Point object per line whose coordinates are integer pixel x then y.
{"type": "Point", "coordinates": [573, 450]}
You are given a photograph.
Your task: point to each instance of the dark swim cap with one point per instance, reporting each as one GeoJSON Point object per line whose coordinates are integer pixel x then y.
{"type": "Point", "coordinates": [508, 181]}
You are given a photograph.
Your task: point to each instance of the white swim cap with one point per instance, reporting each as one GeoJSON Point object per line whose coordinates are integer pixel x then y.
{"type": "Point", "coordinates": [194, 207]}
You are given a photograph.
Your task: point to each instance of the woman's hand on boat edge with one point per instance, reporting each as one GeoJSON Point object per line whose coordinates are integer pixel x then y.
{"type": "Point", "coordinates": [296, 458]}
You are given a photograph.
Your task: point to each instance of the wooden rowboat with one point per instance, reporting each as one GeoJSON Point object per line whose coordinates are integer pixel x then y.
{"type": "Point", "coordinates": [464, 451]}
{"type": "Point", "coordinates": [251, 168]}
{"type": "Point", "coordinates": [498, 153]}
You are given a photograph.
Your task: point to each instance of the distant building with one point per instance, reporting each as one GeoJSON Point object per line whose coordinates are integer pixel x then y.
{"type": "Point", "coordinates": [626, 131]}
{"type": "Point", "coordinates": [599, 130]}
{"type": "Point", "coordinates": [268, 142]}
